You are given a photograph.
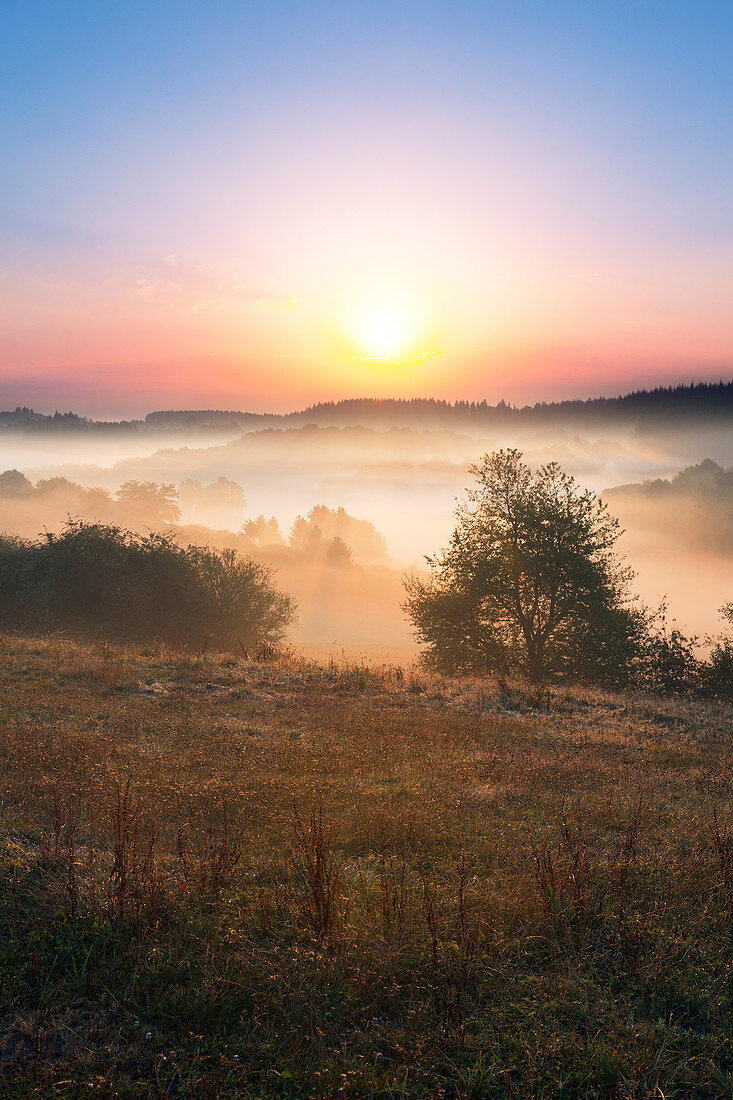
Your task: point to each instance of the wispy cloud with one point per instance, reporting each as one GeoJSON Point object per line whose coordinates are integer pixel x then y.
{"type": "Point", "coordinates": [198, 289]}
{"type": "Point", "coordinates": [407, 361]}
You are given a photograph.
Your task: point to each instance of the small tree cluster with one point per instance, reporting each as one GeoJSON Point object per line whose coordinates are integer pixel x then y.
{"type": "Point", "coordinates": [333, 531]}
{"type": "Point", "coordinates": [220, 497]}
{"type": "Point", "coordinates": [140, 504]}
{"type": "Point", "coordinates": [263, 531]}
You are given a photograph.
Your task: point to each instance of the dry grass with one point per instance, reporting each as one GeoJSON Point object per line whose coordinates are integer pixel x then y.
{"type": "Point", "coordinates": [223, 878]}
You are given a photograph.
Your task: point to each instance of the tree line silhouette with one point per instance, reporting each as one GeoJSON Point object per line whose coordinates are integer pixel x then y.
{"type": "Point", "coordinates": [659, 405]}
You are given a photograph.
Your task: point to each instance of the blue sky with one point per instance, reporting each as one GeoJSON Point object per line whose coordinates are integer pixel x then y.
{"type": "Point", "coordinates": [282, 145]}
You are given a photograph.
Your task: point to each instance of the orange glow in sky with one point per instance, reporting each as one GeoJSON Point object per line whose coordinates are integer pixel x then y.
{"type": "Point", "coordinates": [284, 205]}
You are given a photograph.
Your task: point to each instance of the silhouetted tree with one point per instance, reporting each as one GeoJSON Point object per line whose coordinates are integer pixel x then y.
{"type": "Point", "coordinates": [337, 552]}
{"type": "Point", "coordinates": [218, 496]}
{"type": "Point", "coordinates": [530, 580]}
{"type": "Point", "coordinates": [263, 532]}
{"type": "Point", "coordinates": [91, 503]}
{"type": "Point", "coordinates": [148, 503]}
{"type": "Point", "coordinates": [328, 531]}
{"type": "Point", "coordinates": [361, 536]}
{"type": "Point", "coordinates": [14, 484]}
{"type": "Point", "coordinates": [305, 536]}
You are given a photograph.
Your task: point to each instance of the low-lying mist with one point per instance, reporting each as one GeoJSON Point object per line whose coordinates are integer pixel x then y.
{"type": "Point", "coordinates": [340, 513]}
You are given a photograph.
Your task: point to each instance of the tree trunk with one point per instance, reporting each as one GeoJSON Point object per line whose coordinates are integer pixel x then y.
{"type": "Point", "coordinates": [536, 661]}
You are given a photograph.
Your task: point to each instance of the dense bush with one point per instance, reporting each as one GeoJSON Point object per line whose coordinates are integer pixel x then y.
{"type": "Point", "coordinates": [718, 672]}
{"type": "Point", "coordinates": [667, 661]}
{"type": "Point", "coordinates": [105, 581]}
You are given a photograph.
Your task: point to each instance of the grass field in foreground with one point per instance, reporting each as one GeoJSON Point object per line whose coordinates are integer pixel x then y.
{"type": "Point", "coordinates": [289, 880]}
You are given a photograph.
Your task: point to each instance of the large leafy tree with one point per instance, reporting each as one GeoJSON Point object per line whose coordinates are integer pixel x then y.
{"type": "Point", "coordinates": [530, 580]}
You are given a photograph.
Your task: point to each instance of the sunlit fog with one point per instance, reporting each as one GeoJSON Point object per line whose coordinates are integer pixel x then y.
{"type": "Point", "coordinates": [342, 502]}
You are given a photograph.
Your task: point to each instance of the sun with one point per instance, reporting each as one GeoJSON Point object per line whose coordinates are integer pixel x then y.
{"type": "Point", "coordinates": [384, 331]}
{"type": "Point", "coordinates": [383, 327]}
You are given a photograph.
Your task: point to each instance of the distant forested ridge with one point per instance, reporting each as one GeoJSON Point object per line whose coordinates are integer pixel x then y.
{"type": "Point", "coordinates": [658, 407]}
{"type": "Point", "coordinates": [28, 420]}
{"type": "Point", "coordinates": [695, 506]}
{"type": "Point", "coordinates": [700, 399]}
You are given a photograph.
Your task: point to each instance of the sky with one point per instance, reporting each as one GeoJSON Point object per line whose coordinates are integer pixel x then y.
{"type": "Point", "coordinates": [264, 204]}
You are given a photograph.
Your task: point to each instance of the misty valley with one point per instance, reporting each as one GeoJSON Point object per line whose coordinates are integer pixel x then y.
{"type": "Point", "coordinates": [342, 502]}
{"type": "Point", "coordinates": [378, 750]}
{"type": "Point", "coordinates": [366, 550]}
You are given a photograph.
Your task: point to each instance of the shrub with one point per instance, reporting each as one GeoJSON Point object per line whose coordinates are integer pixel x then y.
{"type": "Point", "coordinates": [104, 581]}
{"type": "Point", "coordinates": [667, 662]}
{"type": "Point", "coordinates": [718, 672]}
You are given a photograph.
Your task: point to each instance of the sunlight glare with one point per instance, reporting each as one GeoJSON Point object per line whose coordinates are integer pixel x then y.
{"type": "Point", "coordinates": [385, 330]}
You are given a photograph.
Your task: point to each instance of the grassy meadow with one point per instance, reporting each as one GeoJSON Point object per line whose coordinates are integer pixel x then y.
{"type": "Point", "coordinates": [288, 879]}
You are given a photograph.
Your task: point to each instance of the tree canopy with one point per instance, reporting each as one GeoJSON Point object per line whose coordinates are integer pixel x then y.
{"type": "Point", "coordinates": [530, 580]}
{"type": "Point", "coordinates": [100, 580]}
